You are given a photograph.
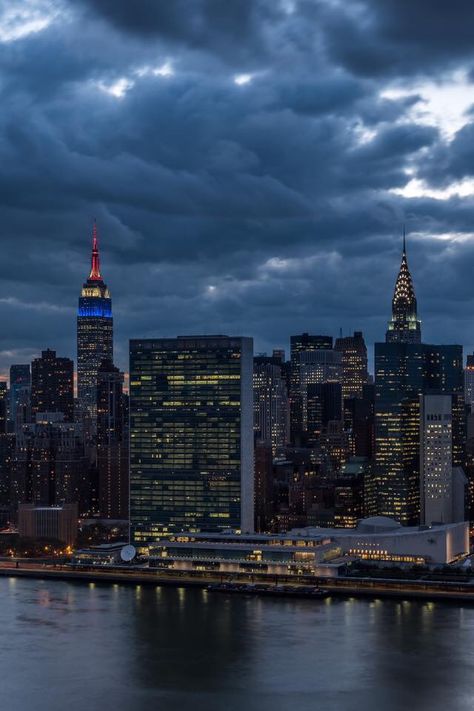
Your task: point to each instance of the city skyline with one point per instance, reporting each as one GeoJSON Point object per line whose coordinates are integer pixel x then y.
{"type": "Point", "coordinates": [403, 280]}
{"type": "Point", "coordinates": [303, 155]}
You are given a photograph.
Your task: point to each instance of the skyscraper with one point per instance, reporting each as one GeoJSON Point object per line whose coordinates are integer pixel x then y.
{"type": "Point", "coordinates": [20, 392]}
{"type": "Point", "coordinates": [52, 385]}
{"type": "Point", "coordinates": [94, 333]}
{"type": "Point", "coordinates": [301, 344]}
{"type": "Point", "coordinates": [271, 404]}
{"type": "Point", "coordinates": [354, 364]}
{"type": "Point", "coordinates": [191, 435]}
{"type": "Point", "coordinates": [469, 382]}
{"type": "Point", "coordinates": [112, 442]}
{"type": "Point", "coordinates": [404, 326]}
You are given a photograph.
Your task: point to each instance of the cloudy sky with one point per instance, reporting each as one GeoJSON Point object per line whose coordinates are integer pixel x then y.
{"type": "Point", "coordinates": [250, 164]}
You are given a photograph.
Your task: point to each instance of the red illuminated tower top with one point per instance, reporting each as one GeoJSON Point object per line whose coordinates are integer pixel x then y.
{"type": "Point", "coordinates": [95, 261]}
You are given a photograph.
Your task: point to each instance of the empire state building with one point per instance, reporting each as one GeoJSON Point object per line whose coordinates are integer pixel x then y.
{"type": "Point", "coordinates": [94, 333]}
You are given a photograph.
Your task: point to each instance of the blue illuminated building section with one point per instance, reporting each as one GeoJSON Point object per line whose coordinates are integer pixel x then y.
{"type": "Point", "coordinates": [95, 307]}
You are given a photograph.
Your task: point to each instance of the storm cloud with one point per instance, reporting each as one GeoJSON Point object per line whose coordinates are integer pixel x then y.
{"type": "Point", "coordinates": [250, 164]}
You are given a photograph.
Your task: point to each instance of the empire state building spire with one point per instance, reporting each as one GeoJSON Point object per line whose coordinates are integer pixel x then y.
{"type": "Point", "coordinates": [95, 260]}
{"type": "Point", "coordinates": [404, 326]}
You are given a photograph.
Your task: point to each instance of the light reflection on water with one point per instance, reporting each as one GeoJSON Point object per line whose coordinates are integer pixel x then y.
{"type": "Point", "coordinates": [75, 647]}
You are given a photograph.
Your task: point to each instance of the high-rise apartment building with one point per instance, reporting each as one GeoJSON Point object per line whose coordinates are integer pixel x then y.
{"type": "Point", "coordinates": [52, 385]}
{"type": "Point", "coordinates": [191, 435]}
{"type": "Point", "coordinates": [94, 333]}
{"type": "Point", "coordinates": [112, 443]}
{"type": "Point", "coordinates": [355, 372]}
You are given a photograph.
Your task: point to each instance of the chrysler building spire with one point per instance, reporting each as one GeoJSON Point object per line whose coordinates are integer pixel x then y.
{"type": "Point", "coordinates": [404, 326]}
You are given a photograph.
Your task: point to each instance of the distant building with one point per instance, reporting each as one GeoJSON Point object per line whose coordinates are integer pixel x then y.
{"type": "Point", "coordinates": [53, 522]}
{"type": "Point", "coordinates": [303, 343]}
{"type": "Point", "coordinates": [442, 486]}
{"type": "Point", "coordinates": [3, 408]}
{"type": "Point", "coordinates": [112, 442]}
{"type": "Point", "coordinates": [94, 334]}
{"type": "Point", "coordinates": [271, 403]}
{"type": "Point", "coordinates": [49, 465]}
{"type": "Point", "coordinates": [52, 385]}
{"type": "Point", "coordinates": [20, 395]}
{"type": "Point", "coordinates": [191, 435]}
{"type": "Point", "coordinates": [404, 326]}
{"type": "Point", "coordinates": [355, 373]}
{"type": "Point", "coordinates": [469, 382]}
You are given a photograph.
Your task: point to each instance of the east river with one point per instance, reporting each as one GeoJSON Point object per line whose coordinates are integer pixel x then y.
{"type": "Point", "coordinates": [78, 647]}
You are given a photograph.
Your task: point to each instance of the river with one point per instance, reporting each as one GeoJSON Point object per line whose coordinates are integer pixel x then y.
{"type": "Point", "coordinates": [79, 647]}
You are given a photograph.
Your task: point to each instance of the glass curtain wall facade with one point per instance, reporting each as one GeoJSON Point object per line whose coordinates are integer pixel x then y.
{"type": "Point", "coordinates": [191, 435]}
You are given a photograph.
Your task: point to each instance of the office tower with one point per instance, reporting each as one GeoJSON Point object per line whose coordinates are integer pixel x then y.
{"type": "Point", "coordinates": [49, 463]}
{"type": "Point", "coordinates": [20, 392]}
{"type": "Point", "coordinates": [442, 485]}
{"type": "Point", "coordinates": [302, 343]}
{"type": "Point", "coordinates": [323, 405]}
{"type": "Point", "coordinates": [52, 385]}
{"type": "Point", "coordinates": [469, 382]}
{"type": "Point", "coordinates": [271, 403]}
{"type": "Point", "coordinates": [94, 334]}
{"type": "Point", "coordinates": [359, 421]}
{"type": "Point", "coordinates": [315, 367]}
{"type": "Point", "coordinates": [436, 465]}
{"type": "Point", "coordinates": [3, 408]}
{"type": "Point", "coordinates": [191, 435]}
{"type": "Point", "coordinates": [279, 355]}
{"type": "Point", "coordinates": [404, 371]}
{"type": "Point", "coordinates": [352, 492]}
{"type": "Point", "coordinates": [354, 364]}
{"type": "Point", "coordinates": [112, 443]}
{"type": "Point", "coordinates": [404, 326]}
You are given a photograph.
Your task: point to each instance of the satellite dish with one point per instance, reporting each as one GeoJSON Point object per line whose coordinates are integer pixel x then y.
{"type": "Point", "coordinates": [128, 553]}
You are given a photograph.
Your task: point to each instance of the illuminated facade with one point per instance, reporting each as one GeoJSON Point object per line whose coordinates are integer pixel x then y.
{"type": "Point", "coordinates": [404, 326]}
{"type": "Point", "coordinates": [191, 435]}
{"type": "Point", "coordinates": [94, 333]}
{"type": "Point", "coordinates": [303, 343]}
{"type": "Point", "coordinates": [355, 373]}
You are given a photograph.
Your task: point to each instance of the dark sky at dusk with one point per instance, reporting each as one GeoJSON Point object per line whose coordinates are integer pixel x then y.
{"type": "Point", "coordinates": [250, 164]}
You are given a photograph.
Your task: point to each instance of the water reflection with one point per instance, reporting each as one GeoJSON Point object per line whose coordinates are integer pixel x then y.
{"type": "Point", "coordinates": [72, 646]}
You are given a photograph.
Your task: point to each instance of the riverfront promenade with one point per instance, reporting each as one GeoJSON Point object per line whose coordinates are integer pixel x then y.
{"type": "Point", "coordinates": [337, 587]}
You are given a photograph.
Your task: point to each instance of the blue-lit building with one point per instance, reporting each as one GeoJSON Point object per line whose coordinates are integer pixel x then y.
{"type": "Point", "coordinates": [94, 333]}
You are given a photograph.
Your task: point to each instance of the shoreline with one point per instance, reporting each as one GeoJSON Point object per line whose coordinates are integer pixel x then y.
{"type": "Point", "coordinates": [336, 587]}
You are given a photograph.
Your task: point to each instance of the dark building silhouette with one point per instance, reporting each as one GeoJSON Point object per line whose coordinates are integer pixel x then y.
{"type": "Point", "coordinates": [94, 334]}
{"type": "Point", "coordinates": [301, 347]}
{"type": "Point", "coordinates": [324, 404]}
{"type": "Point", "coordinates": [52, 385]}
{"type": "Point", "coordinates": [20, 396]}
{"type": "Point", "coordinates": [3, 408]}
{"type": "Point", "coordinates": [112, 442]}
